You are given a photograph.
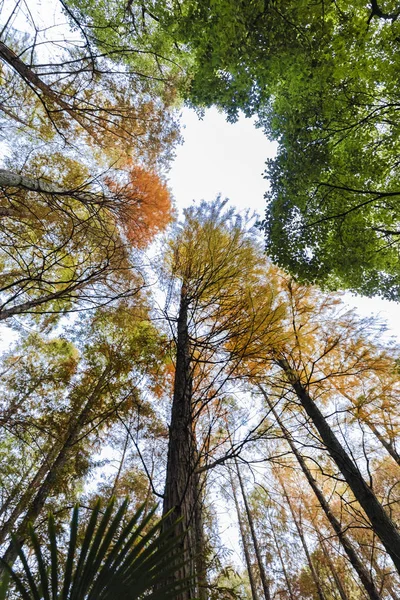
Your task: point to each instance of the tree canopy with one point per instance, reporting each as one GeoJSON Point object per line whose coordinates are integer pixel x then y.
{"type": "Point", "coordinates": [322, 81]}
{"type": "Point", "coordinates": [234, 394]}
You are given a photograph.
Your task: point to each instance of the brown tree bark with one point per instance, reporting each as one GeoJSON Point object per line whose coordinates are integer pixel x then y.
{"type": "Point", "coordinates": [379, 519]}
{"type": "Point", "coordinates": [181, 493]}
{"type": "Point", "coordinates": [354, 559]}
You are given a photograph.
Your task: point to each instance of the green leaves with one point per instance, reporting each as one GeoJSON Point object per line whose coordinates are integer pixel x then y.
{"type": "Point", "coordinates": [323, 80]}
{"type": "Point", "coordinates": [114, 556]}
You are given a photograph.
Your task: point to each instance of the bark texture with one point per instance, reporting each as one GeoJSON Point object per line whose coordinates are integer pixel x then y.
{"type": "Point", "coordinates": [181, 494]}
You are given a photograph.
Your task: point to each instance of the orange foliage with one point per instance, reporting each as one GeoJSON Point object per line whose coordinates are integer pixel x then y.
{"type": "Point", "coordinates": [143, 205]}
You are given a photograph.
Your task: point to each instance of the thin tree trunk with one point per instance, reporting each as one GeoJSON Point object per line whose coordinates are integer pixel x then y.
{"type": "Point", "coordinates": [380, 521]}
{"type": "Point", "coordinates": [244, 541]}
{"type": "Point", "coordinates": [277, 546]}
{"type": "Point", "coordinates": [363, 417]}
{"type": "Point", "coordinates": [314, 573]}
{"type": "Point", "coordinates": [121, 463]}
{"type": "Point", "coordinates": [27, 307]}
{"type": "Point", "coordinates": [338, 583]}
{"type": "Point", "coordinates": [354, 559]}
{"type": "Point", "coordinates": [182, 483]}
{"type": "Point", "coordinates": [385, 577]}
{"type": "Point", "coordinates": [387, 445]}
{"type": "Point", "coordinates": [23, 502]}
{"type": "Point", "coordinates": [263, 575]}
{"type": "Point", "coordinates": [61, 456]}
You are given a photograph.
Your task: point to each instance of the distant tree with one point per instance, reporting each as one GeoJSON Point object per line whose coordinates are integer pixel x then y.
{"type": "Point", "coordinates": [54, 421]}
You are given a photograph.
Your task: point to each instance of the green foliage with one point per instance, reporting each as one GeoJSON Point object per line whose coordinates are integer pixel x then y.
{"type": "Point", "coordinates": [323, 80]}
{"type": "Point", "coordinates": [114, 556]}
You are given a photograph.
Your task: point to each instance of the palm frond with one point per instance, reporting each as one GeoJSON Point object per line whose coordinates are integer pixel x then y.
{"type": "Point", "coordinates": [128, 561]}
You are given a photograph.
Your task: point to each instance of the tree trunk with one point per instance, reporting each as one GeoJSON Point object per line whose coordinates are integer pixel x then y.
{"type": "Point", "coordinates": [61, 455]}
{"type": "Point", "coordinates": [387, 445]}
{"type": "Point", "coordinates": [380, 521]}
{"type": "Point", "coordinates": [10, 179]}
{"type": "Point", "coordinates": [314, 573]}
{"type": "Point", "coordinates": [201, 573]}
{"type": "Point", "coordinates": [338, 583]}
{"type": "Point", "coordinates": [27, 307]}
{"type": "Point", "coordinates": [32, 79]}
{"type": "Point", "coordinates": [277, 546]}
{"type": "Point", "coordinates": [386, 578]}
{"type": "Point", "coordinates": [263, 575]}
{"type": "Point", "coordinates": [357, 564]}
{"type": "Point", "coordinates": [181, 493]}
{"type": "Point", "coordinates": [243, 535]}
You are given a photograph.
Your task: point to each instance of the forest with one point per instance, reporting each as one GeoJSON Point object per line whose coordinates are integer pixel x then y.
{"type": "Point", "coordinates": [189, 408]}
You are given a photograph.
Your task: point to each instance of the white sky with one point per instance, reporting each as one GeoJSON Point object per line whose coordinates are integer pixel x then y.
{"type": "Point", "coordinates": [218, 157]}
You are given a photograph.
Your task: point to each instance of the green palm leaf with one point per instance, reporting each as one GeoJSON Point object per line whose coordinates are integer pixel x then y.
{"type": "Point", "coordinates": [128, 561]}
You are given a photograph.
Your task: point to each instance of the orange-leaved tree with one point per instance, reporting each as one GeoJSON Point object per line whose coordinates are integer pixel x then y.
{"type": "Point", "coordinates": [143, 204]}
{"type": "Point", "coordinates": [63, 244]}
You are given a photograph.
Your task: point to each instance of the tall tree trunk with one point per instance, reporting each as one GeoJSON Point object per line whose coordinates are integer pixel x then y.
{"type": "Point", "coordinates": [379, 519]}
{"type": "Point", "coordinates": [61, 455]}
{"type": "Point", "coordinates": [263, 575]}
{"type": "Point", "coordinates": [181, 493]}
{"type": "Point", "coordinates": [314, 573]}
{"type": "Point", "coordinates": [354, 559]}
{"type": "Point", "coordinates": [338, 583]}
{"type": "Point", "coordinates": [243, 535]}
{"type": "Point", "coordinates": [278, 549]}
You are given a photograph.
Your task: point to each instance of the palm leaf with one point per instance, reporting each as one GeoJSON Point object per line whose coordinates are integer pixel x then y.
{"type": "Point", "coordinates": [128, 561]}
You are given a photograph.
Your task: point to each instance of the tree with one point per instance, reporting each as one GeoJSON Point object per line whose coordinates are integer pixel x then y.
{"type": "Point", "coordinates": [358, 565]}
{"type": "Point", "coordinates": [83, 89]}
{"type": "Point", "coordinates": [213, 262]}
{"type": "Point", "coordinates": [66, 415]}
{"type": "Point", "coordinates": [303, 354]}
{"type": "Point", "coordinates": [64, 246]}
{"type": "Point", "coordinates": [253, 535]}
{"type": "Point", "coordinates": [87, 139]}
{"type": "Point", "coordinates": [244, 539]}
{"type": "Point", "coordinates": [322, 81]}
